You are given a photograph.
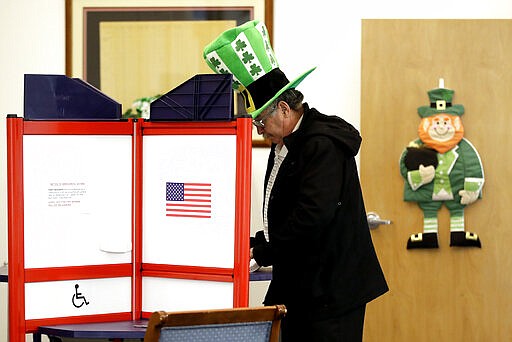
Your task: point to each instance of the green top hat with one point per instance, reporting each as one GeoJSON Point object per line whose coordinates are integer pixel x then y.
{"type": "Point", "coordinates": [245, 52]}
{"type": "Point", "coordinates": [440, 102]}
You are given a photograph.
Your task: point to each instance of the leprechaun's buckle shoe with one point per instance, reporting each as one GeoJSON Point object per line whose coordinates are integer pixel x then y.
{"type": "Point", "coordinates": [422, 240]}
{"type": "Point", "coordinates": [464, 239]}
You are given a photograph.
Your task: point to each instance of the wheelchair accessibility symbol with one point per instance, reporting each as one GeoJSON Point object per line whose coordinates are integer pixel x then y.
{"type": "Point", "coordinates": [78, 299]}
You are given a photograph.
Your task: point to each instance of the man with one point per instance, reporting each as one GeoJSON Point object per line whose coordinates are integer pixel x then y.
{"type": "Point", "coordinates": [315, 236]}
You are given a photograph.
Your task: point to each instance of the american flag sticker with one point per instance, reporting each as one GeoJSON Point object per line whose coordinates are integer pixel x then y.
{"type": "Point", "coordinates": [188, 200]}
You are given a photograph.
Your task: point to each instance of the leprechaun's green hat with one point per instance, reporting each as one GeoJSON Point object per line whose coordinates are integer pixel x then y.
{"type": "Point", "coordinates": [245, 52]}
{"type": "Point", "coordinates": [440, 102]}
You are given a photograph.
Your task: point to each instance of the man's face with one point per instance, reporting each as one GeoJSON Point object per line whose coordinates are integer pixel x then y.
{"type": "Point", "coordinates": [272, 125]}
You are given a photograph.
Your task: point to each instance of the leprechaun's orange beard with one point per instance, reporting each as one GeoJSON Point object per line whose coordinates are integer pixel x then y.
{"type": "Point", "coordinates": [441, 131]}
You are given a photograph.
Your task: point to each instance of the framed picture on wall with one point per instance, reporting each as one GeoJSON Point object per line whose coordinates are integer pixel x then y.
{"type": "Point", "coordinates": [130, 49]}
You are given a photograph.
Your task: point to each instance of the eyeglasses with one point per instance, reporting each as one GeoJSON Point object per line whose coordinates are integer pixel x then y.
{"type": "Point", "coordinates": [261, 122]}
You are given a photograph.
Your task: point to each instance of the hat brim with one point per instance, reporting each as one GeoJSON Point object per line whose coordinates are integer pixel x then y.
{"type": "Point", "coordinates": [425, 111]}
{"type": "Point", "coordinates": [290, 85]}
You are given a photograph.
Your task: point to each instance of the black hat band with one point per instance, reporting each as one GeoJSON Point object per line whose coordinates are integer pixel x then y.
{"type": "Point", "coordinates": [266, 87]}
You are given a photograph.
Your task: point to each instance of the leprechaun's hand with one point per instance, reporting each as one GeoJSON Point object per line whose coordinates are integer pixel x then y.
{"type": "Point", "coordinates": [468, 197]}
{"type": "Point", "coordinates": [427, 173]}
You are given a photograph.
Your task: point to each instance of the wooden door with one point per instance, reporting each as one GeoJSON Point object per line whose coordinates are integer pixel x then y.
{"type": "Point", "coordinates": [445, 294]}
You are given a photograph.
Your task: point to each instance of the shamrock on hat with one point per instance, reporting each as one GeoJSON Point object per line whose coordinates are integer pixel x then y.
{"type": "Point", "coordinates": [245, 52]}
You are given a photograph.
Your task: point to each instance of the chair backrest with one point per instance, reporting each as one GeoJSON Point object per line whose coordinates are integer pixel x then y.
{"type": "Point", "coordinates": [256, 324]}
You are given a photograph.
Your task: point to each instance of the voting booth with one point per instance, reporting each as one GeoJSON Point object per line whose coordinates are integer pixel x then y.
{"type": "Point", "coordinates": [110, 220]}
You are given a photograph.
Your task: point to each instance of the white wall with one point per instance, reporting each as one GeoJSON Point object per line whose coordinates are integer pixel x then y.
{"type": "Point", "coordinates": [32, 41]}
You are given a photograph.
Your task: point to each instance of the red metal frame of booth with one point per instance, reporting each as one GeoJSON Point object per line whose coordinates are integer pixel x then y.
{"type": "Point", "coordinates": [18, 276]}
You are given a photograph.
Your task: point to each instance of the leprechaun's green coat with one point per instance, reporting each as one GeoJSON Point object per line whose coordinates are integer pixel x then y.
{"type": "Point", "coordinates": [464, 166]}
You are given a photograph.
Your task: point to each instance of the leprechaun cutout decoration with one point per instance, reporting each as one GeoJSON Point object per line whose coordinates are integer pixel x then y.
{"type": "Point", "coordinates": [442, 167]}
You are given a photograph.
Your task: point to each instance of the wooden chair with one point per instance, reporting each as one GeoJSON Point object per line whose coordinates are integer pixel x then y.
{"type": "Point", "coordinates": [227, 325]}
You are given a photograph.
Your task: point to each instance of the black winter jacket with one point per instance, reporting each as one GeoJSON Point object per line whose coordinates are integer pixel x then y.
{"type": "Point", "coordinates": [321, 252]}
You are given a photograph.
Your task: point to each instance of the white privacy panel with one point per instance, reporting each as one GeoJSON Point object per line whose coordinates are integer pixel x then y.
{"type": "Point", "coordinates": [77, 297]}
{"type": "Point", "coordinates": [77, 199]}
{"type": "Point", "coordinates": [189, 200]}
{"type": "Point", "coordinates": [184, 294]}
